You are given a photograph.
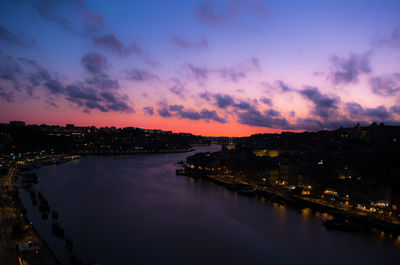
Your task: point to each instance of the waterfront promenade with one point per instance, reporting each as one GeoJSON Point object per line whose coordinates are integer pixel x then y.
{"type": "Point", "coordinates": [16, 229]}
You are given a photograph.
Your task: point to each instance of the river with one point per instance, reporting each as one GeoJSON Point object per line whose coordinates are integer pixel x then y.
{"type": "Point", "coordinates": [135, 210]}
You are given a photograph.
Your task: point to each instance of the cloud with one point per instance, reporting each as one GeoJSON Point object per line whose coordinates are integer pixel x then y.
{"type": "Point", "coordinates": [223, 101]}
{"type": "Point", "coordinates": [14, 39]}
{"type": "Point", "coordinates": [253, 117]}
{"type": "Point", "coordinates": [184, 44]}
{"type": "Point", "coordinates": [243, 105]}
{"type": "Point", "coordinates": [148, 111]}
{"type": "Point", "coordinates": [204, 114]}
{"type": "Point", "coordinates": [72, 15]}
{"type": "Point", "coordinates": [273, 113]}
{"type": "Point", "coordinates": [92, 93]}
{"type": "Point", "coordinates": [395, 109]}
{"type": "Point", "coordinates": [348, 70]}
{"type": "Point", "coordinates": [97, 65]}
{"type": "Point", "coordinates": [94, 63]}
{"type": "Point", "coordinates": [6, 95]}
{"type": "Point", "coordinates": [140, 75]}
{"type": "Point", "coordinates": [206, 95]}
{"type": "Point", "coordinates": [284, 87]}
{"type": "Point", "coordinates": [385, 85]}
{"type": "Point", "coordinates": [91, 98]}
{"type": "Point", "coordinates": [163, 112]}
{"type": "Point", "coordinates": [10, 70]}
{"type": "Point", "coordinates": [111, 42]}
{"type": "Point", "coordinates": [229, 10]}
{"type": "Point", "coordinates": [324, 105]}
{"type": "Point", "coordinates": [240, 71]}
{"type": "Point", "coordinates": [393, 40]}
{"type": "Point", "coordinates": [177, 88]}
{"type": "Point", "coordinates": [175, 107]}
{"type": "Point", "coordinates": [206, 15]}
{"type": "Point", "coordinates": [197, 72]}
{"type": "Point", "coordinates": [266, 101]}
{"type": "Point", "coordinates": [379, 112]}
{"type": "Point", "coordinates": [357, 112]}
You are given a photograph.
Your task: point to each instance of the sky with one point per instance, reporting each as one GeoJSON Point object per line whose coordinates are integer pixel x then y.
{"type": "Point", "coordinates": [216, 68]}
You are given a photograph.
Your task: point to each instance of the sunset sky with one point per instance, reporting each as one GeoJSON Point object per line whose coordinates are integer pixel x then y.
{"type": "Point", "coordinates": [207, 67]}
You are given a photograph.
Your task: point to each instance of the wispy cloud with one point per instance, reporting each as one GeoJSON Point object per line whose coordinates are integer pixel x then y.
{"type": "Point", "coordinates": [72, 15]}
{"type": "Point", "coordinates": [15, 39]}
{"type": "Point", "coordinates": [185, 44]}
{"type": "Point", "coordinates": [214, 12]}
{"type": "Point", "coordinates": [386, 86]}
{"type": "Point", "coordinates": [347, 70]}
{"type": "Point", "coordinates": [324, 105]}
{"type": "Point", "coordinates": [98, 91]}
{"type": "Point", "coordinates": [140, 75]}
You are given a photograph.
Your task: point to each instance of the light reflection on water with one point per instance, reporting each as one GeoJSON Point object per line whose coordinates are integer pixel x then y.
{"type": "Point", "coordinates": [135, 210]}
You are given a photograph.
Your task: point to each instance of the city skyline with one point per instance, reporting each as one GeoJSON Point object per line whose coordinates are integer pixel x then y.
{"type": "Point", "coordinates": [229, 68]}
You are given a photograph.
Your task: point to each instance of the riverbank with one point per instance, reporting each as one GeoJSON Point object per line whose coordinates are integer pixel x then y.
{"type": "Point", "coordinates": [360, 221]}
{"type": "Point", "coordinates": [15, 228]}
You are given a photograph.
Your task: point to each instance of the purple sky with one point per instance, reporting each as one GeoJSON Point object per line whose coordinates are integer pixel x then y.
{"type": "Point", "coordinates": [207, 67]}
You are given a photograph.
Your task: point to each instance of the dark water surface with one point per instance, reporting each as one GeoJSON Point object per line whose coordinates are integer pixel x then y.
{"type": "Point", "coordinates": [134, 210]}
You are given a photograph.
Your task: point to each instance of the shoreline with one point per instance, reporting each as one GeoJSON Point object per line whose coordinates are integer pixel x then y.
{"type": "Point", "coordinates": [16, 214]}
{"type": "Point", "coordinates": [296, 202]}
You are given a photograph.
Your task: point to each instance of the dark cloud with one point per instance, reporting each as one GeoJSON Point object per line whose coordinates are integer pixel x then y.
{"type": "Point", "coordinates": [54, 86]}
{"type": "Point", "coordinates": [93, 93]}
{"type": "Point", "coordinates": [176, 107]}
{"type": "Point", "coordinates": [97, 65]}
{"type": "Point", "coordinates": [348, 70]}
{"type": "Point", "coordinates": [177, 88]}
{"type": "Point", "coordinates": [354, 109]}
{"type": "Point", "coordinates": [223, 101]}
{"type": "Point", "coordinates": [324, 105]}
{"type": "Point", "coordinates": [385, 85]}
{"type": "Point", "coordinates": [111, 42]}
{"type": "Point", "coordinates": [6, 95]}
{"type": "Point", "coordinates": [148, 111]}
{"type": "Point", "coordinates": [253, 117]}
{"type": "Point", "coordinates": [211, 115]}
{"type": "Point", "coordinates": [197, 72]}
{"type": "Point", "coordinates": [204, 114]}
{"type": "Point", "coordinates": [273, 113]}
{"type": "Point", "coordinates": [15, 39]}
{"type": "Point", "coordinates": [206, 95]}
{"type": "Point", "coordinates": [283, 87]}
{"type": "Point", "coordinates": [10, 70]}
{"type": "Point", "coordinates": [163, 112]}
{"type": "Point", "coordinates": [25, 74]}
{"type": "Point", "coordinates": [207, 13]}
{"type": "Point", "coordinates": [184, 44]}
{"type": "Point", "coordinates": [140, 75]}
{"type": "Point", "coordinates": [90, 98]}
{"type": "Point", "coordinates": [378, 113]}
{"type": "Point", "coordinates": [266, 101]}
{"type": "Point", "coordinates": [357, 112]}
{"type": "Point", "coordinates": [72, 15]}
{"type": "Point", "coordinates": [243, 105]}
{"type": "Point", "coordinates": [94, 62]}
{"type": "Point", "coordinates": [395, 109]}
